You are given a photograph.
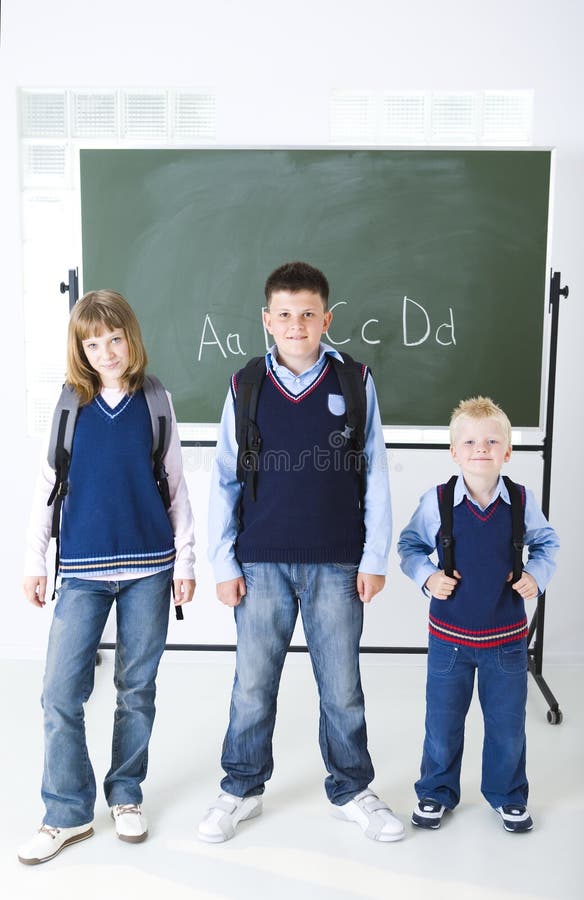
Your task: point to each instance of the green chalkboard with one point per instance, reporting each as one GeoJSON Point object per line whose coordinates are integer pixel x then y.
{"type": "Point", "coordinates": [436, 260]}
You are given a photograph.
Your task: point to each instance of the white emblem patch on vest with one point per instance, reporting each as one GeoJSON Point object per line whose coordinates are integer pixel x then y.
{"type": "Point", "coordinates": [336, 404]}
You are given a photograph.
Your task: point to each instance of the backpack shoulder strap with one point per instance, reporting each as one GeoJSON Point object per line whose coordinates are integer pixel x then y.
{"type": "Point", "coordinates": [59, 452]}
{"type": "Point", "coordinates": [59, 458]}
{"type": "Point", "coordinates": [246, 388]}
{"type": "Point", "coordinates": [445, 493]}
{"type": "Point", "coordinates": [517, 497]}
{"type": "Point", "coordinates": [161, 418]}
{"type": "Point", "coordinates": [351, 377]}
{"type": "Point", "coordinates": [63, 425]}
{"type": "Point", "coordinates": [160, 414]}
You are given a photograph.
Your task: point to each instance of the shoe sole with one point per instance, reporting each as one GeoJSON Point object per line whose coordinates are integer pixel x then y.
{"type": "Point", "coordinates": [431, 825]}
{"type": "Point", "coordinates": [518, 830]}
{"type": "Point", "coordinates": [385, 838]}
{"type": "Point", "coordinates": [133, 838]}
{"type": "Point", "coordinates": [72, 840]}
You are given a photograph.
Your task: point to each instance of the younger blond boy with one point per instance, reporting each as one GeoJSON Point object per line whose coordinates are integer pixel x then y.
{"type": "Point", "coordinates": [477, 619]}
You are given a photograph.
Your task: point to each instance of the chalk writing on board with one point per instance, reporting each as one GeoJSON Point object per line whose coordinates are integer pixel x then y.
{"type": "Point", "coordinates": [417, 329]}
{"type": "Point", "coordinates": [210, 338]}
{"type": "Point", "coordinates": [417, 326]}
{"type": "Point", "coordinates": [365, 333]}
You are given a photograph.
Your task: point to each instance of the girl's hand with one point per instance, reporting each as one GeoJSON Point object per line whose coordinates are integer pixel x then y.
{"type": "Point", "coordinates": [35, 588]}
{"type": "Point", "coordinates": [184, 588]}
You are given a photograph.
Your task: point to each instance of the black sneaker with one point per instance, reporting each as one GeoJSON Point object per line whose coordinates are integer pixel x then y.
{"type": "Point", "coordinates": [515, 817]}
{"type": "Point", "coordinates": [428, 813]}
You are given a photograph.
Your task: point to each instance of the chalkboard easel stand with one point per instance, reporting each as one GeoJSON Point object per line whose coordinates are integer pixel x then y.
{"type": "Point", "coordinates": [536, 628]}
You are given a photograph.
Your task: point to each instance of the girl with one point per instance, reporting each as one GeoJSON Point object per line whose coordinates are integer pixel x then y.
{"type": "Point", "coordinates": [117, 543]}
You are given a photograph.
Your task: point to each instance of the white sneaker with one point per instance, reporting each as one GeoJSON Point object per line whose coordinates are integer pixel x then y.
{"type": "Point", "coordinates": [49, 840]}
{"type": "Point", "coordinates": [131, 824]}
{"type": "Point", "coordinates": [372, 815]}
{"type": "Point", "coordinates": [224, 816]}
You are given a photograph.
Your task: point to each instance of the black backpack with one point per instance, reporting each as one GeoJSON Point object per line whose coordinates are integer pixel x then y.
{"type": "Point", "coordinates": [247, 433]}
{"type": "Point", "coordinates": [445, 503]}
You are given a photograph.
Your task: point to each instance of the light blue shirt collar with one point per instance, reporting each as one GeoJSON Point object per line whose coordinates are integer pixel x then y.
{"type": "Point", "coordinates": [280, 370]}
{"type": "Point", "coordinates": [461, 491]}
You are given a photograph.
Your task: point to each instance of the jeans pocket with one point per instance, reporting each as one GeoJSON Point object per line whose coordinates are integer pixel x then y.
{"type": "Point", "coordinates": [441, 656]}
{"type": "Point", "coordinates": [513, 657]}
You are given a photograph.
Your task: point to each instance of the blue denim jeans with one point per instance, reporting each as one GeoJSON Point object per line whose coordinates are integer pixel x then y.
{"type": "Point", "coordinates": [81, 611]}
{"type": "Point", "coordinates": [502, 687]}
{"type": "Point", "coordinates": [332, 616]}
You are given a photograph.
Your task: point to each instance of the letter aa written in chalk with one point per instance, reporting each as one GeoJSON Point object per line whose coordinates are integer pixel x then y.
{"type": "Point", "coordinates": [210, 338]}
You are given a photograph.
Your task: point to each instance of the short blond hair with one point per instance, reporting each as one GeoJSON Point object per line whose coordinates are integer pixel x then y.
{"type": "Point", "coordinates": [479, 408]}
{"type": "Point", "coordinates": [94, 313]}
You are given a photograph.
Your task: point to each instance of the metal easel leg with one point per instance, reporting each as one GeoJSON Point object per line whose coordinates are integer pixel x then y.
{"type": "Point", "coordinates": [535, 662]}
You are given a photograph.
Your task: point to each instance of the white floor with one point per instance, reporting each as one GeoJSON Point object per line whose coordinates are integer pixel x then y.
{"type": "Point", "coordinates": [296, 850]}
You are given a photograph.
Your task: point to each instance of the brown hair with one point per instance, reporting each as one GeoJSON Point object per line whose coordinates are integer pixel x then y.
{"type": "Point", "coordinates": [94, 313]}
{"type": "Point", "coordinates": [297, 276]}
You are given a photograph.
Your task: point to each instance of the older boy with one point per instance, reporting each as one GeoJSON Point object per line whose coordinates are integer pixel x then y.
{"type": "Point", "coordinates": [477, 619]}
{"type": "Point", "coordinates": [298, 537]}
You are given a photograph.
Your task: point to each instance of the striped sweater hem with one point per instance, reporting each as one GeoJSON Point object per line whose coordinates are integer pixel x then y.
{"type": "Point", "coordinates": [111, 565]}
{"type": "Point", "coordinates": [486, 637]}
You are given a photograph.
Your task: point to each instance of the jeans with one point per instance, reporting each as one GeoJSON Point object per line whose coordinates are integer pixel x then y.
{"type": "Point", "coordinates": [502, 687]}
{"type": "Point", "coordinates": [332, 616]}
{"type": "Point", "coordinates": [81, 612]}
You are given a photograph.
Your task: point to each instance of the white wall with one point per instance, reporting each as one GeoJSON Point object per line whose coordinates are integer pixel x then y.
{"type": "Point", "coordinates": [272, 66]}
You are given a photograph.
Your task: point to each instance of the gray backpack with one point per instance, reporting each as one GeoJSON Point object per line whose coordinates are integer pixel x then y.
{"type": "Point", "coordinates": [63, 428]}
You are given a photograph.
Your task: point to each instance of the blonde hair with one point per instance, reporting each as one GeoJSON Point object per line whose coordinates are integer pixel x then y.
{"type": "Point", "coordinates": [479, 408]}
{"type": "Point", "coordinates": [94, 313]}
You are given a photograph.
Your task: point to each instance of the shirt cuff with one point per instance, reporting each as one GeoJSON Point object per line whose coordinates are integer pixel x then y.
{"type": "Point", "coordinates": [227, 571]}
{"type": "Point", "coordinates": [185, 571]}
{"type": "Point", "coordinates": [426, 570]}
{"type": "Point", "coordinates": [373, 564]}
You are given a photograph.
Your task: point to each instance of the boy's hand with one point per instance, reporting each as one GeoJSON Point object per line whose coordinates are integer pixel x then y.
{"type": "Point", "coordinates": [184, 588]}
{"type": "Point", "coordinates": [35, 588]}
{"type": "Point", "coordinates": [441, 585]}
{"type": "Point", "coordinates": [526, 587]}
{"type": "Point", "coordinates": [231, 592]}
{"type": "Point", "coordinates": [369, 585]}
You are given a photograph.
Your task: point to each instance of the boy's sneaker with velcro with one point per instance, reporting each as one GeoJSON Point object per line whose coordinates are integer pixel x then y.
{"type": "Point", "coordinates": [372, 815]}
{"type": "Point", "coordinates": [225, 814]}
{"type": "Point", "coordinates": [428, 813]}
{"type": "Point", "coordinates": [515, 817]}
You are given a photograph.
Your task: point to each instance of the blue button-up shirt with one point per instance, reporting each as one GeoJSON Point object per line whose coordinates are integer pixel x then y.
{"type": "Point", "coordinates": [225, 493]}
{"type": "Point", "coordinates": [418, 539]}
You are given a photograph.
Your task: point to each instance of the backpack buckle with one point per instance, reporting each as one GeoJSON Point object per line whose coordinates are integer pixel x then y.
{"type": "Point", "coordinates": [63, 489]}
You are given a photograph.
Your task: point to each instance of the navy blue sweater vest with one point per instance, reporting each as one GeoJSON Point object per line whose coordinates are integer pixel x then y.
{"type": "Point", "coordinates": [307, 507]}
{"type": "Point", "coordinates": [484, 610]}
{"type": "Point", "coordinates": [113, 519]}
